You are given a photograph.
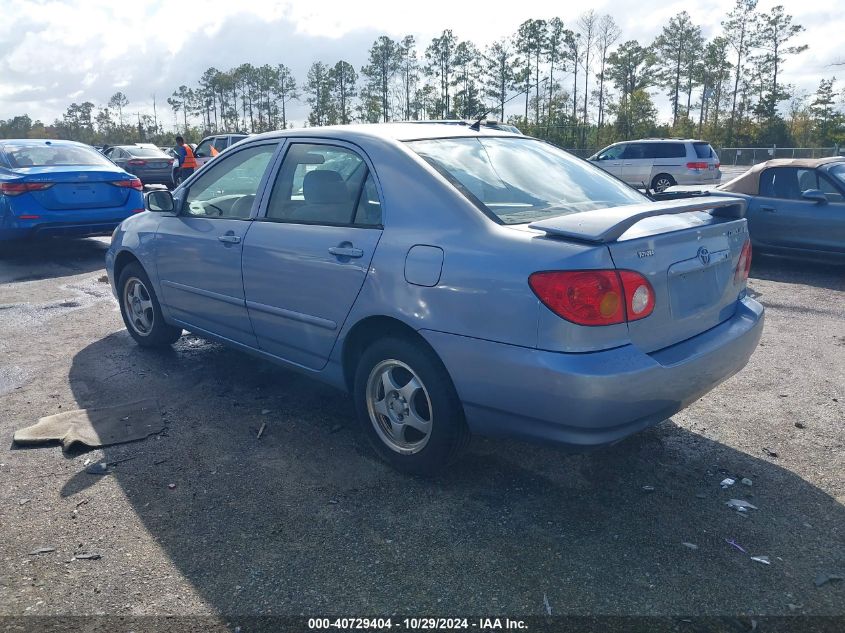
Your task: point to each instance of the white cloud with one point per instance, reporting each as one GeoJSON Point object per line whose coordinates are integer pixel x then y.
{"type": "Point", "coordinates": [55, 51]}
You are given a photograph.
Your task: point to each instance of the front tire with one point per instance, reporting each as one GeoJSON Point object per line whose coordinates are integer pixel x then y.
{"type": "Point", "coordinates": [141, 310]}
{"type": "Point", "coordinates": [408, 408]}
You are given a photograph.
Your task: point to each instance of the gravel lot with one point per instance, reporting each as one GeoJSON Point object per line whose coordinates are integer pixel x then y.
{"type": "Point", "coordinates": [305, 520]}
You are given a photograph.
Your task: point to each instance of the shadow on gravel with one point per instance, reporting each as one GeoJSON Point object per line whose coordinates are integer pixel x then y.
{"type": "Point", "coordinates": [306, 520]}
{"type": "Point", "coordinates": [31, 260]}
{"type": "Point", "coordinates": [809, 273]}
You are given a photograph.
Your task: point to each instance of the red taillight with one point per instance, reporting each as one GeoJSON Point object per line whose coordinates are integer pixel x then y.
{"type": "Point", "coordinates": [17, 188]}
{"type": "Point", "coordinates": [135, 183]}
{"type": "Point", "coordinates": [743, 266]}
{"type": "Point", "coordinates": [138, 210]}
{"type": "Point", "coordinates": [136, 162]}
{"type": "Point", "coordinates": [594, 297]}
{"type": "Point", "coordinates": [696, 165]}
{"type": "Point", "coordinates": [639, 295]}
{"type": "Point", "coordinates": [718, 165]}
{"type": "Point", "coordinates": [29, 217]}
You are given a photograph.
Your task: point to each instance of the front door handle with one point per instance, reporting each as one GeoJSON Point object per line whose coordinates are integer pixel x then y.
{"type": "Point", "coordinates": [229, 238]}
{"type": "Point", "coordinates": [346, 251]}
{"type": "Point", "coordinates": [769, 209]}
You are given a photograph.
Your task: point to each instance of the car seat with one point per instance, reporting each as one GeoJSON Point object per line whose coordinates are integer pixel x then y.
{"type": "Point", "coordinates": [327, 198]}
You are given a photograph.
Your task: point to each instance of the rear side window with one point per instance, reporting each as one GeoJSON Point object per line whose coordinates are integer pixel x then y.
{"type": "Point", "coordinates": [221, 143]}
{"type": "Point", "coordinates": [146, 152]}
{"type": "Point", "coordinates": [703, 150]}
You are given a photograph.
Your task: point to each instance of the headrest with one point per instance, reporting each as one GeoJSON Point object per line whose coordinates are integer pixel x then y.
{"type": "Point", "coordinates": [324, 186]}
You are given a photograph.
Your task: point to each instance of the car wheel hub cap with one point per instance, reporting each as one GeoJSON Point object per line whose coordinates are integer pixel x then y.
{"type": "Point", "coordinates": [138, 306]}
{"type": "Point", "coordinates": [399, 407]}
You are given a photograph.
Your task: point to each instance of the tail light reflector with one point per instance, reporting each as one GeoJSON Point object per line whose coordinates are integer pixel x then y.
{"type": "Point", "coordinates": [136, 162]}
{"type": "Point", "coordinates": [594, 297]}
{"type": "Point", "coordinates": [17, 188]}
{"type": "Point", "coordinates": [743, 266]}
{"type": "Point", "coordinates": [29, 217]}
{"type": "Point", "coordinates": [134, 183]}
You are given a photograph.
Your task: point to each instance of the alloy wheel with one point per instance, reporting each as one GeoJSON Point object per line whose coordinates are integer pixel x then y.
{"type": "Point", "coordinates": [399, 407]}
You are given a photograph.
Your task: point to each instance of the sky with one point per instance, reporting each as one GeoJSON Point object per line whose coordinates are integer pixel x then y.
{"type": "Point", "coordinates": [56, 52]}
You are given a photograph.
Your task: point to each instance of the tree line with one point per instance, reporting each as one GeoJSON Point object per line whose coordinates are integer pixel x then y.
{"type": "Point", "coordinates": [579, 85]}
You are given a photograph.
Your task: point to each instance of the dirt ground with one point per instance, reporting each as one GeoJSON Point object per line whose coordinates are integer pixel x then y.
{"type": "Point", "coordinates": [207, 519]}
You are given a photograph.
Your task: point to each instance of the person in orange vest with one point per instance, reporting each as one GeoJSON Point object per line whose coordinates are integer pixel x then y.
{"type": "Point", "coordinates": [187, 161]}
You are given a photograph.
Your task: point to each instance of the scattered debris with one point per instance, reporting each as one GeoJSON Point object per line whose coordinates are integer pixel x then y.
{"type": "Point", "coordinates": [336, 428]}
{"type": "Point", "coordinates": [87, 461]}
{"type": "Point", "coordinates": [649, 488]}
{"type": "Point", "coordinates": [23, 502]}
{"type": "Point", "coordinates": [770, 452]}
{"type": "Point", "coordinates": [746, 482]}
{"type": "Point", "coordinates": [87, 556]}
{"type": "Point", "coordinates": [103, 279]}
{"type": "Point", "coordinates": [736, 545]}
{"type": "Point", "coordinates": [98, 468]}
{"type": "Point", "coordinates": [261, 430]}
{"type": "Point", "coordinates": [740, 506]}
{"type": "Point", "coordinates": [159, 461]}
{"type": "Point", "coordinates": [825, 578]}
{"type": "Point", "coordinates": [690, 545]}
{"type": "Point", "coordinates": [727, 483]}
{"type": "Point", "coordinates": [795, 607]}
{"type": "Point", "coordinates": [546, 604]}
{"type": "Point", "coordinates": [82, 503]}
{"type": "Point", "coordinates": [761, 559]}
{"type": "Point", "coordinates": [171, 486]}
{"type": "Point", "coordinates": [333, 502]}
{"type": "Point", "coordinates": [800, 425]}
{"type": "Point", "coordinates": [265, 411]}
{"type": "Point", "coordinates": [47, 550]}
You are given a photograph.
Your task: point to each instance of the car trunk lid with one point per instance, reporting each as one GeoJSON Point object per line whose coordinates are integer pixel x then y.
{"type": "Point", "coordinates": [83, 187]}
{"type": "Point", "coordinates": [688, 250]}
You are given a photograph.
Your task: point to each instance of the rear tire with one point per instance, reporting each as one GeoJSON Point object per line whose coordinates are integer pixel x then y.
{"type": "Point", "coordinates": [661, 182]}
{"type": "Point", "coordinates": [408, 407]}
{"type": "Point", "coordinates": [141, 310]}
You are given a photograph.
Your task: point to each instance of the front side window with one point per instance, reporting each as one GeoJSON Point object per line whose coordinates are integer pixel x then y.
{"type": "Point", "coordinates": [41, 155]}
{"type": "Point", "coordinates": [516, 180]}
{"type": "Point", "coordinates": [322, 184]}
{"type": "Point", "coordinates": [228, 189]}
{"type": "Point", "coordinates": [203, 149]}
{"type": "Point", "coordinates": [612, 153]}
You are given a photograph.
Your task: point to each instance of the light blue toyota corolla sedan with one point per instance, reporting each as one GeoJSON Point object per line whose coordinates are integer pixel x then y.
{"type": "Point", "coordinates": [453, 281]}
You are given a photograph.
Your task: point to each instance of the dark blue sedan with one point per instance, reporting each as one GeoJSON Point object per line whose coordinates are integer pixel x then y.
{"type": "Point", "coordinates": [50, 187]}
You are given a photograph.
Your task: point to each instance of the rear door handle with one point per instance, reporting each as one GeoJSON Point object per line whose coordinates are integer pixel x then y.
{"type": "Point", "coordinates": [229, 238]}
{"type": "Point", "coordinates": [346, 251]}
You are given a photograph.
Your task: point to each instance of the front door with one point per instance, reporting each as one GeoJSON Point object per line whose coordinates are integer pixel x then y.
{"type": "Point", "coordinates": [307, 256]}
{"type": "Point", "coordinates": [780, 217]}
{"type": "Point", "coordinates": [198, 251]}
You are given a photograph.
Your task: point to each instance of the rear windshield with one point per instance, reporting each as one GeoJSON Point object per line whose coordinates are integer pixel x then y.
{"type": "Point", "coordinates": [517, 180]}
{"type": "Point", "coordinates": [41, 155]}
{"type": "Point", "coordinates": [703, 150]}
{"type": "Point", "coordinates": [145, 152]}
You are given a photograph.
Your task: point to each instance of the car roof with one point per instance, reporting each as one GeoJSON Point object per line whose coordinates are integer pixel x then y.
{"type": "Point", "coordinates": [388, 131]}
{"type": "Point", "coordinates": [663, 140]}
{"type": "Point", "coordinates": [40, 141]}
{"type": "Point", "coordinates": [749, 182]}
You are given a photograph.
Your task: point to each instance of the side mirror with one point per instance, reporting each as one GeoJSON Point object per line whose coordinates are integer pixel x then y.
{"type": "Point", "coordinates": [159, 201]}
{"type": "Point", "coordinates": [816, 195]}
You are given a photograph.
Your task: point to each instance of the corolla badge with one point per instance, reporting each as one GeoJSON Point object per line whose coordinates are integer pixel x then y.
{"type": "Point", "coordinates": [704, 255]}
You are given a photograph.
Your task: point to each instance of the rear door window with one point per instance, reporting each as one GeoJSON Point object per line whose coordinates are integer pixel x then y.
{"type": "Point", "coordinates": [221, 143]}
{"type": "Point", "coordinates": [637, 151]}
{"type": "Point", "coordinates": [669, 150]}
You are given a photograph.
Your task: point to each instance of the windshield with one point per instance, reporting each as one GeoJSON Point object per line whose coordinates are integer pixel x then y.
{"type": "Point", "coordinates": [40, 155]}
{"type": "Point", "coordinates": [518, 180]}
{"type": "Point", "coordinates": [838, 172]}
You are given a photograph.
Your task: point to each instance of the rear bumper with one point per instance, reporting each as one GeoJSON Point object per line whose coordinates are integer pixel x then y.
{"type": "Point", "coordinates": [69, 222]}
{"type": "Point", "coordinates": [704, 177]}
{"type": "Point", "coordinates": [593, 398]}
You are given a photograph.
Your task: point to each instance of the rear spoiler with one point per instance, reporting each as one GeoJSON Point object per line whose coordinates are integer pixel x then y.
{"type": "Point", "coordinates": [607, 225]}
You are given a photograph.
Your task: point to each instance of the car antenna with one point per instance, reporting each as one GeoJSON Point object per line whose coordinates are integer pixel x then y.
{"type": "Point", "coordinates": [476, 127]}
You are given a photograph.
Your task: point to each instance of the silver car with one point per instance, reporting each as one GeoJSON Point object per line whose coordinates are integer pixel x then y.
{"type": "Point", "coordinates": [661, 163]}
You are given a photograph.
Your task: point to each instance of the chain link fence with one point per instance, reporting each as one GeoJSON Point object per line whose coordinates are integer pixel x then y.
{"type": "Point", "coordinates": [747, 156]}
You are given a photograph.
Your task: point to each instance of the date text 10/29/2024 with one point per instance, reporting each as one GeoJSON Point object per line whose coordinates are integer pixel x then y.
{"type": "Point", "coordinates": [417, 624]}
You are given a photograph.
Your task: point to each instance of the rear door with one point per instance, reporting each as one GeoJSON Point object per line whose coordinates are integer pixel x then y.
{"type": "Point", "coordinates": [636, 164]}
{"type": "Point", "coordinates": [307, 256]}
{"type": "Point", "coordinates": [198, 251]}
